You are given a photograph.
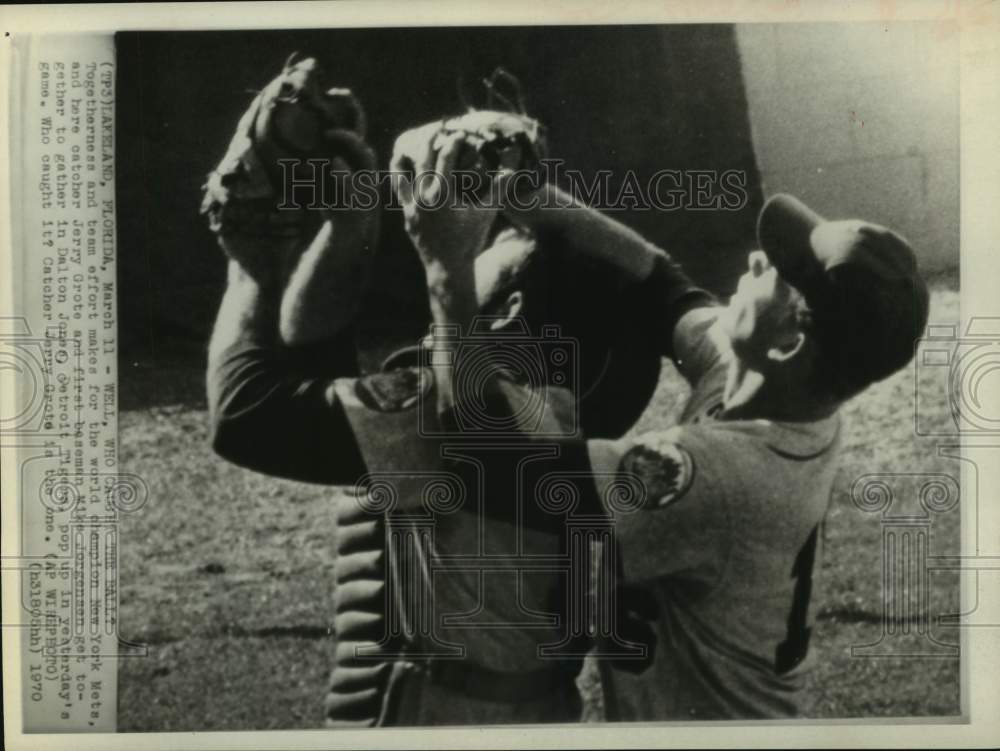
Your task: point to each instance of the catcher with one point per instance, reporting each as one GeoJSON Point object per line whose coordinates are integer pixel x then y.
{"type": "Point", "coordinates": [286, 399]}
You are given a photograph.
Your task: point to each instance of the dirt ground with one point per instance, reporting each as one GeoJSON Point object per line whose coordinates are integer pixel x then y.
{"type": "Point", "coordinates": [225, 574]}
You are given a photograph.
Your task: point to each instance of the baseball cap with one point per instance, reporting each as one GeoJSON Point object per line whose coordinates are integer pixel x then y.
{"type": "Point", "coordinates": [868, 301]}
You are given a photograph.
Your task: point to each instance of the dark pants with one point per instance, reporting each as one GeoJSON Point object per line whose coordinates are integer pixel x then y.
{"type": "Point", "coordinates": [416, 696]}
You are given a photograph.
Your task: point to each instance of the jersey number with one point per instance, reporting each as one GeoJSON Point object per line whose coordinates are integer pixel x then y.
{"type": "Point", "coordinates": [796, 644]}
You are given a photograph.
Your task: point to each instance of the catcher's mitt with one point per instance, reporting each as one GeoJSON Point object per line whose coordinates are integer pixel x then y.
{"type": "Point", "coordinates": [495, 144]}
{"type": "Point", "coordinates": [505, 139]}
{"type": "Point", "coordinates": [497, 141]}
{"type": "Point", "coordinates": [275, 235]}
{"type": "Point", "coordinates": [293, 117]}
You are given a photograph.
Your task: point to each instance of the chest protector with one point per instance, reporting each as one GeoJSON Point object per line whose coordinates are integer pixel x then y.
{"type": "Point", "coordinates": [475, 567]}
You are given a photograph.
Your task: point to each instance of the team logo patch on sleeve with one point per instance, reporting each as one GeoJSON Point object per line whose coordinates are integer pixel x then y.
{"type": "Point", "coordinates": [665, 468]}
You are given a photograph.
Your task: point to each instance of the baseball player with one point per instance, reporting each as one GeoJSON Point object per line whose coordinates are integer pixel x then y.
{"type": "Point", "coordinates": [285, 399]}
{"type": "Point", "coordinates": [716, 566]}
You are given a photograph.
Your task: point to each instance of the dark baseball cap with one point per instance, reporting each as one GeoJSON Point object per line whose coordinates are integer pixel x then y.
{"type": "Point", "coordinates": [868, 301]}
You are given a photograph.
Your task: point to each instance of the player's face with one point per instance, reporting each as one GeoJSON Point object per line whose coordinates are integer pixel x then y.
{"type": "Point", "coordinates": [761, 314]}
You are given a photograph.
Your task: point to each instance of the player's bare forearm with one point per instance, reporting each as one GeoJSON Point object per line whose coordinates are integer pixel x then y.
{"type": "Point", "coordinates": [247, 315]}
{"type": "Point", "coordinates": [452, 291]}
{"type": "Point", "coordinates": [447, 237]}
{"type": "Point", "coordinates": [248, 312]}
{"type": "Point", "coordinates": [325, 287]}
{"type": "Point", "coordinates": [660, 294]}
{"type": "Point", "coordinates": [588, 230]}
{"type": "Point", "coordinates": [268, 413]}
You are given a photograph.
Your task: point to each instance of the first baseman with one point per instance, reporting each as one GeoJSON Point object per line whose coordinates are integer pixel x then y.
{"type": "Point", "coordinates": [715, 569]}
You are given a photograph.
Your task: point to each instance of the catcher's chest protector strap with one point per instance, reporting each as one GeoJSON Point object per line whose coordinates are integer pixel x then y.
{"type": "Point", "coordinates": [382, 412]}
{"type": "Point", "coordinates": [364, 650]}
{"type": "Point", "coordinates": [422, 502]}
{"type": "Point", "coordinates": [394, 419]}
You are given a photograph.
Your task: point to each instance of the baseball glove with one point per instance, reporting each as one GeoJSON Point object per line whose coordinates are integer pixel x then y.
{"type": "Point", "coordinates": [500, 141]}
{"type": "Point", "coordinates": [495, 143]}
{"type": "Point", "coordinates": [261, 225]}
{"type": "Point", "coordinates": [505, 139]}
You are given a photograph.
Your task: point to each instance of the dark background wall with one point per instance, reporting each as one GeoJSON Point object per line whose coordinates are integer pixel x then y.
{"type": "Point", "coordinates": [640, 98]}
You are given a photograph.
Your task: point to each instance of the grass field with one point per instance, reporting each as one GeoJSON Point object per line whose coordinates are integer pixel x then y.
{"type": "Point", "coordinates": [225, 574]}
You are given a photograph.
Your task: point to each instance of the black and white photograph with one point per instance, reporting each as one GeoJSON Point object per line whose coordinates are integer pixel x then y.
{"type": "Point", "coordinates": [498, 375]}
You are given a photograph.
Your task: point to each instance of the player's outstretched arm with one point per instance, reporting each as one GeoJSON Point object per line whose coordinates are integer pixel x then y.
{"type": "Point", "coordinates": [272, 405]}
{"type": "Point", "coordinates": [326, 284]}
{"type": "Point", "coordinates": [273, 408]}
{"type": "Point", "coordinates": [586, 229]}
{"type": "Point", "coordinates": [657, 294]}
{"type": "Point", "coordinates": [296, 153]}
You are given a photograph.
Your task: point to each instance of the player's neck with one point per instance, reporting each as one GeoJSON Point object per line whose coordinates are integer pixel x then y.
{"type": "Point", "coordinates": [752, 395]}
